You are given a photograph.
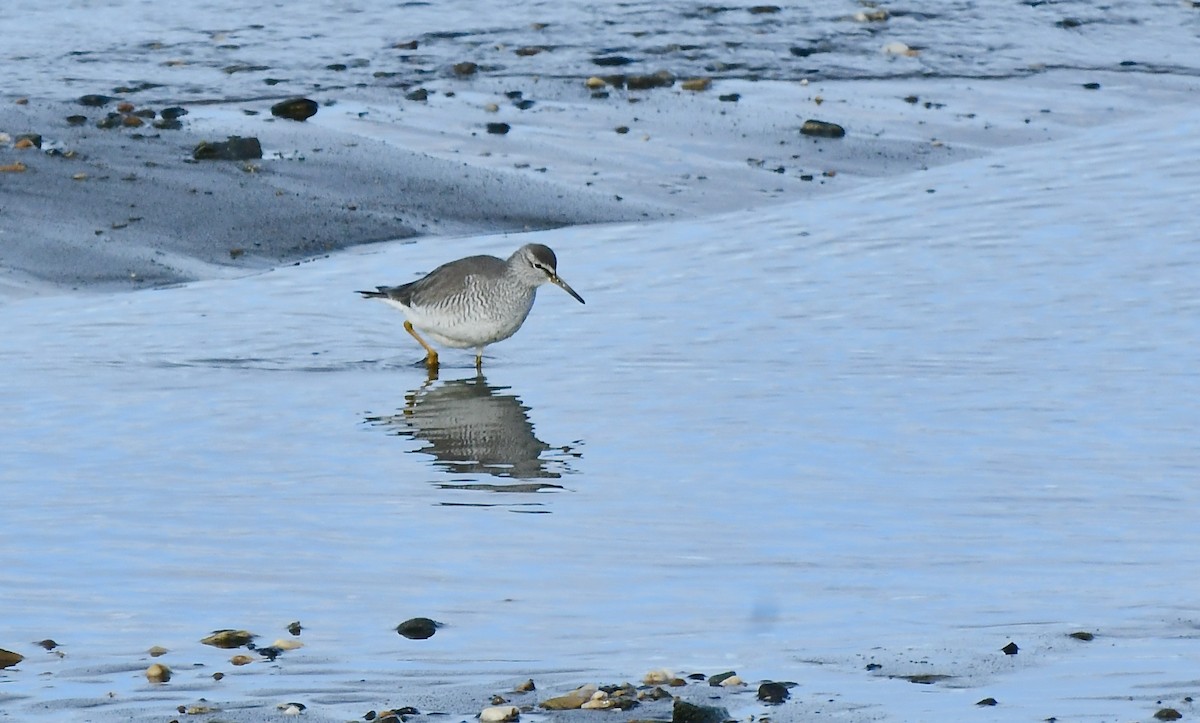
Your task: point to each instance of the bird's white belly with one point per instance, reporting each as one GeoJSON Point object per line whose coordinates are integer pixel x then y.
{"type": "Point", "coordinates": [471, 330]}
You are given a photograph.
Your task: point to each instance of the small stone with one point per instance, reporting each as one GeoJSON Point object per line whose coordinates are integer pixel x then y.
{"type": "Point", "coordinates": [166, 124]}
{"type": "Point", "coordinates": [234, 149]}
{"type": "Point", "coordinates": [419, 628]}
{"type": "Point", "coordinates": [764, 9]}
{"type": "Point", "coordinates": [491, 108]}
{"type": "Point", "coordinates": [1168, 714]}
{"type": "Point", "coordinates": [499, 714]}
{"type": "Point", "coordinates": [696, 84]}
{"type": "Point", "coordinates": [47, 644]}
{"type": "Point", "coordinates": [420, 94]}
{"type": "Point", "coordinates": [27, 140]}
{"type": "Point", "coordinates": [132, 121]}
{"type": "Point", "coordinates": [79, 177]}
{"type": "Point", "coordinates": [293, 627]}
{"type": "Point", "coordinates": [498, 129]}
{"type": "Point", "coordinates": [609, 61]}
{"type": "Point", "coordinates": [655, 693]}
{"type": "Point", "coordinates": [523, 104]}
{"type": "Point", "coordinates": [720, 678]}
{"type": "Point", "coordinates": [408, 45]}
{"type": "Point", "coordinates": [158, 673]}
{"type": "Point", "coordinates": [773, 693]}
{"type": "Point", "coordinates": [622, 130]}
{"type": "Point", "coordinates": [598, 701]}
{"type": "Point", "coordinates": [729, 97]}
{"type": "Point", "coordinates": [157, 651]}
{"type": "Point", "coordinates": [570, 701]}
{"type": "Point", "coordinates": [1092, 86]}
{"type": "Point", "coordinates": [660, 79]}
{"type": "Point", "coordinates": [241, 660]}
{"type": "Point", "coordinates": [291, 708]}
{"type": "Point", "coordinates": [76, 120]}
{"type": "Point", "coordinates": [528, 51]}
{"type": "Point", "coordinates": [684, 712]}
{"type": "Point", "coordinates": [218, 675]}
{"type": "Point", "coordinates": [15, 167]}
{"type": "Point", "coordinates": [871, 667]}
{"type": "Point", "coordinates": [660, 676]}
{"type": "Point", "coordinates": [7, 657]}
{"type": "Point", "coordinates": [125, 107]}
{"type": "Point", "coordinates": [898, 48]}
{"type": "Point", "coordinates": [465, 68]}
{"type": "Point", "coordinates": [284, 643]}
{"type": "Point", "coordinates": [526, 687]}
{"type": "Point", "coordinates": [594, 83]}
{"type": "Point", "coordinates": [297, 109]}
{"type": "Point", "coordinates": [173, 112]}
{"type": "Point", "coordinates": [987, 701]}
{"type": "Point", "coordinates": [94, 100]}
{"type": "Point", "coordinates": [822, 129]}
{"type": "Point", "coordinates": [1082, 635]}
{"type": "Point", "coordinates": [21, 101]}
{"type": "Point", "coordinates": [877, 15]}
{"type": "Point", "coordinates": [1010, 649]}
{"type": "Point", "coordinates": [229, 639]}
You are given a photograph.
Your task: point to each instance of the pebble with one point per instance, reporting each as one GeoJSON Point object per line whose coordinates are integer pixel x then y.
{"type": "Point", "coordinates": [684, 712]}
{"type": "Point", "coordinates": [7, 657]}
{"type": "Point", "coordinates": [293, 627]}
{"type": "Point", "coordinates": [1168, 714]}
{"type": "Point", "coordinates": [660, 79]}
{"type": "Point", "coordinates": [570, 701]}
{"type": "Point", "coordinates": [420, 628]}
{"type": "Point", "coordinates": [898, 48]}
{"type": "Point", "coordinates": [94, 100]}
{"type": "Point", "coordinates": [1082, 635]}
{"type": "Point", "coordinates": [297, 109]}
{"type": "Point", "coordinates": [526, 687]}
{"type": "Point", "coordinates": [1010, 649]}
{"type": "Point", "coordinates": [76, 120]}
{"type": "Point", "coordinates": [158, 673]}
{"type": "Point", "coordinates": [157, 651]}
{"type": "Point", "coordinates": [594, 82]}
{"type": "Point", "coordinates": [465, 68]}
{"type": "Point", "coordinates": [419, 94]}
{"type": "Point", "coordinates": [658, 677]}
{"type": "Point", "coordinates": [696, 84]}
{"type": "Point", "coordinates": [499, 714]}
{"type": "Point", "coordinates": [498, 129]}
{"type": "Point", "coordinates": [988, 701]}
{"type": "Point", "coordinates": [771, 692]}
{"type": "Point", "coordinates": [729, 97]}
{"type": "Point", "coordinates": [229, 638]}
{"type": "Point", "coordinates": [173, 112]}
{"type": "Point", "coordinates": [286, 644]}
{"type": "Point", "coordinates": [822, 129]}
{"type": "Point", "coordinates": [241, 660]}
{"type": "Point", "coordinates": [234, 149]}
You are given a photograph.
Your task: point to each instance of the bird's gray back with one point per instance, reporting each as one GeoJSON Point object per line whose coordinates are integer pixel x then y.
{"type": "Point", "coordinates": [446, 281]}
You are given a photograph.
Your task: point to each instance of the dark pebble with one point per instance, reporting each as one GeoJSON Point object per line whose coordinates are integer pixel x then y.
{"type": "Point", "coordinates": [612, 61]}
{"type": "Point", "coordinates": [418, 94]}
{"type": "Point", "coordinates": [112, 120]}
{"type": "Point", "coordinates": [513, 94]}
{"type": "Point", "coordinates": [987, 701]}
{"type": "Point", "coordinates": [661, 79]}
{"type": "Point", "coordinates": [524, 104]}
{"type": "Point", "coordinates": [822, 129]}
{"type": "Point", "coordinates": [1168, 714]}
{"type": "Point", "coordinates": [1092, 86]}
{"type": "Point", "coordinates": [419, 628]}
{"type": "Point", "coordinates": [764, 9]}
{"type": "Point", "coordinates": [1067, 23]}
{"type": "Point", "coordinates": [231, 69]}
{"type": "Point", "coordinates": [410, 45]}
{"type": "Point", "coordinates": [234, 149]}
{"type": "Point", "coordinates": [730, 97]}
{"type": "Point", "coordinates": [336, 67]}
{"type": "Point", "coordinates": [1010, 649]}
{"type": "Point", "coordinates": [721, 677]}
{"type": "Point", "coordinates": [95, 101]}
{"type": "Point", "coordinates": [1083, 635]}
{"type": "Point", "coordinates": [911, 99]}
{"type": "Point", "coordinates": [696, 676]}
{"type": "Point", "coordinates": [622, 129]}
{"type": "Point", "coordinates": [34, 139]}
{"type": "Point", "coordinates": [144, 113]}
{"type": "Point", "coordinates": [76, 120]}
{"type": "Point", "coordinates": [870, 666]}
{"type": "Point", "coordinates": [528, 51]}
{"type": "Point", "coordinates": [465, 68]}
{"type": "Point", "coordinates": [772, 692]}
{"type": "Point", "coordinates": [48, 644]}
{"type": "Point", "coordinates": [804, 52]}
{"type": "Point", "coordinates": [684, 712]}
{"type": "Point", "coordinates": [167, 124]}
{"type": "Point", "coordinates": [173, 112]}
{"type": "Point", "coordinates": [498, 129]}
{"type": "Point", "coordinates": [295, 108]}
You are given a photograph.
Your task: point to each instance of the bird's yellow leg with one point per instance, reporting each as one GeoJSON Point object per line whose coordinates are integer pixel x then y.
{"type": "Point", "coordinates": [431, 355]}
{"type": "Point", "coordinates": [479, 360]}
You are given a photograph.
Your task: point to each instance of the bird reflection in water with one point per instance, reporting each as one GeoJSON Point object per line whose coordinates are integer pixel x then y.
{"type": "Point", "coordinates": [472, 427]}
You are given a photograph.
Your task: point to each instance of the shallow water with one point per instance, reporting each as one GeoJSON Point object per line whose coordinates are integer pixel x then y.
{"type": "Point", "coordinates": [904, 423]}
{"type": "Point", "coordinates": [930, 416]}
